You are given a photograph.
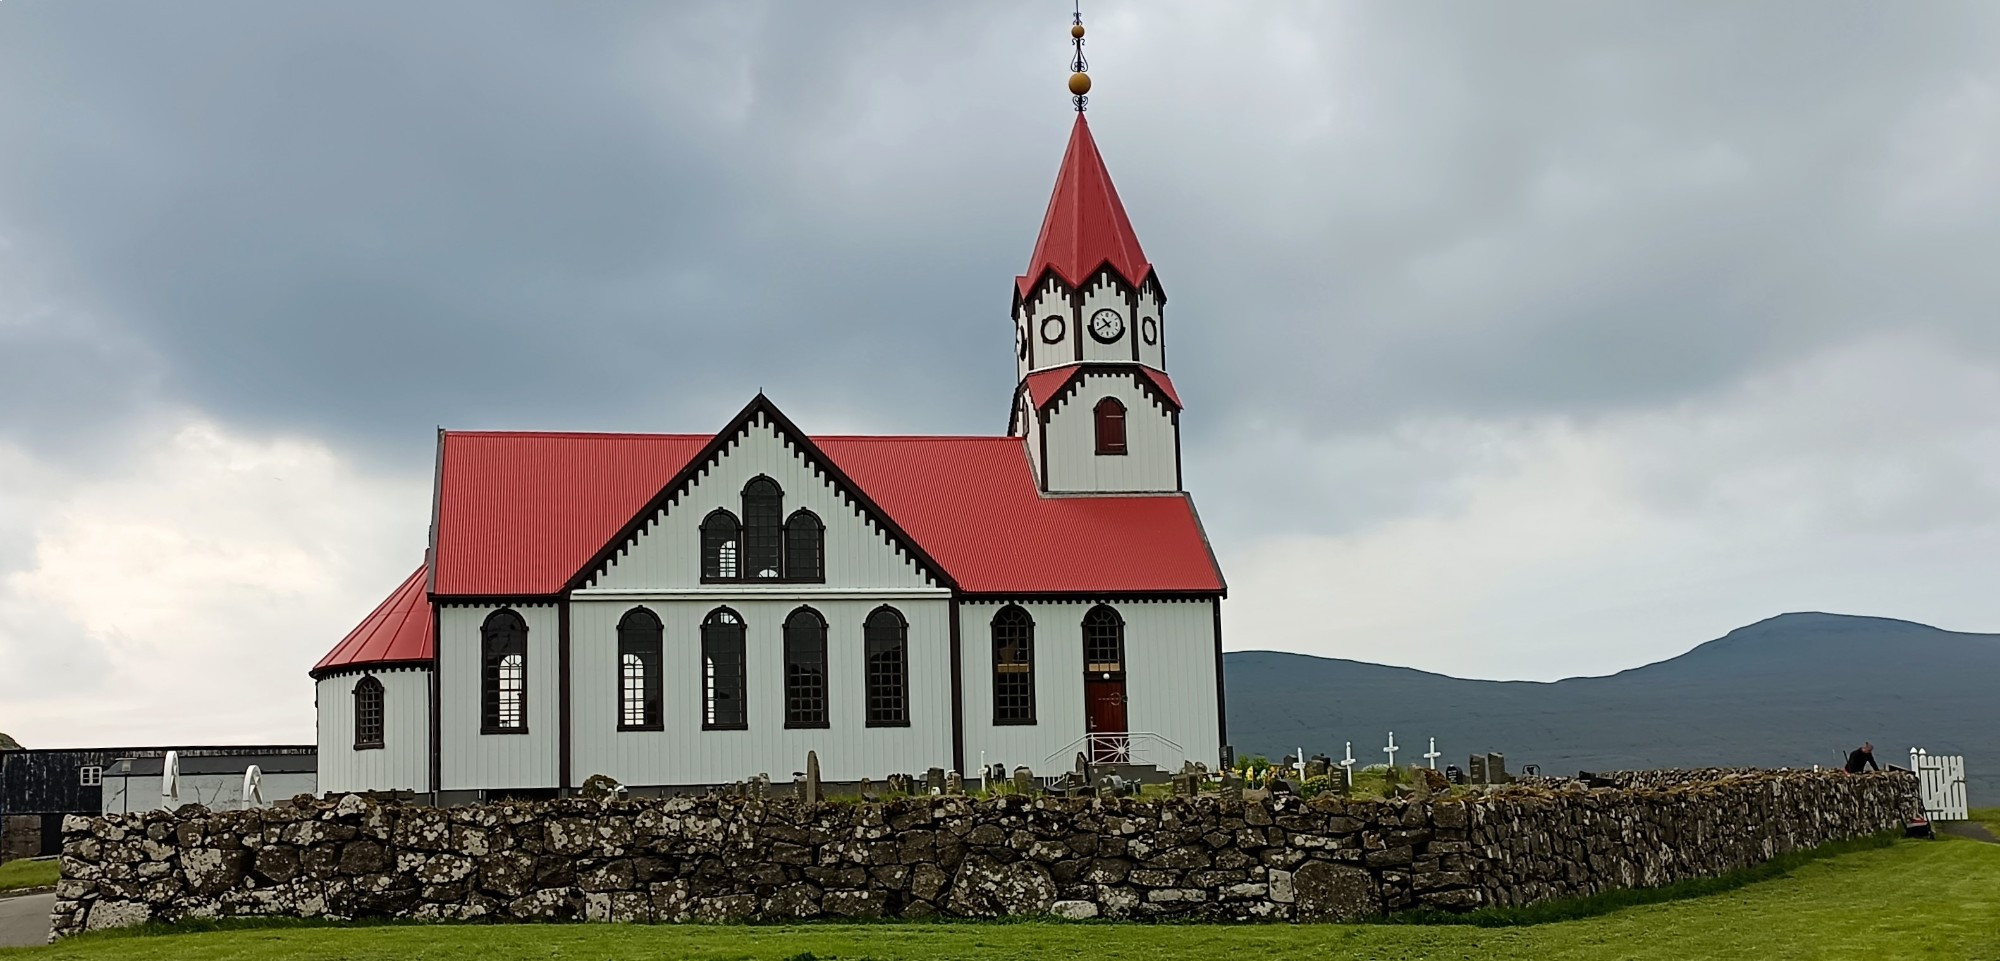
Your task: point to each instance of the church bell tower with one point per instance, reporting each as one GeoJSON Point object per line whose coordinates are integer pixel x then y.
{"type": "Point", "coordinates": [1093, 403]}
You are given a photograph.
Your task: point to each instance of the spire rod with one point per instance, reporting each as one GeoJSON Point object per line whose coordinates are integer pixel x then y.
{"type": "Point", "coordinates": [1079, 68]}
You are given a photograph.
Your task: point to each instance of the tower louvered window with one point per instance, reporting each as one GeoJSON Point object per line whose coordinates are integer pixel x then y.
{"type": "Point", "coordinates": [1013, 667]}
{"type": "Point", "coordinates": [721, 543]}
{"type": "Point", "coordinates": [763, 527]}
{"type": "Point", "coordinates": [885, 640]}
{"type": "Point", "coordinates": [723, 678]}
{"type": "Point", "coordinates": [805, 669]}
{"type": "Point", "coordinates": [1103, 642]}
{"type": "Point", "coordinates": [503, 695]}
{"type": "Point", "coordinates": [367, 713]}
{"type": "Point", "coordinates": [805, 547]}
{"type": "Point", "coordinates": [639, 683]}
{"type": "Point", "coordinates": [1110, 416]}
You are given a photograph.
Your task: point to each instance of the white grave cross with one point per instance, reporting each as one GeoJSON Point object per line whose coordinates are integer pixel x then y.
{"type": "Point", "coordinates": [1391, 749]}
{"type": "Point", "coordinates": [1433, 755]}
{"type": "Point", "coordinates": [1299, 764]}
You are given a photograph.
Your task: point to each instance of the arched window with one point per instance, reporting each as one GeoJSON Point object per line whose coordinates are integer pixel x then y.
{"type": "Point", "coordinates": [721, 539]}
{"type": "Point", "coordinates": [1110, 426]}
{"type": "Point", "coordinates": [722, 672]}
{"type": "Point", "coordinates": [763, 524]}
{"type": "Point", "coordinates": [1013, 667]}
{"type": "Point", "coordinates": [885, 639]}
{"type": "Point", "coordinates": [805, 547]}
{"type": "Point", "coordinates": [367, 713]}
{"type": "Point", "coordinates": [805, 669]}
{"type": "Point", "coordinates": [639, 636]}
{"type": "Point", "coordinates": [503, 694]}
{"type": "Point", "coordinates": [1103, 642]}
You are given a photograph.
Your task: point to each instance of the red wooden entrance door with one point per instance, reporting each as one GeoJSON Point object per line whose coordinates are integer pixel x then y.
{"type": "Point", "coordinates": [1104, 720]}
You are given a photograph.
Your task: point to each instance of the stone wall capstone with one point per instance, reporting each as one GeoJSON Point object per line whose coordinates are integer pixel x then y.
{"type": "Point", "coordinates": [732, 858]}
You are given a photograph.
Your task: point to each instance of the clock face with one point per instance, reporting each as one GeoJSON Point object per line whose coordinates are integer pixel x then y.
{"type": "Point", "coordinates": [1052, 329]}
{"type": "Point", "coordinates": [1106, 325]}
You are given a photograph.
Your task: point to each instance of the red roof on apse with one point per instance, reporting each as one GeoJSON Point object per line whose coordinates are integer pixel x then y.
{"type": "Point", "coordinates": [399, 629]}
{"type": "Point", "coordinates": [1085, 226]}
{"type": "Point", "coordinates": [519, 512]}
{"type": "Point", "coordinates": [1043, 385]}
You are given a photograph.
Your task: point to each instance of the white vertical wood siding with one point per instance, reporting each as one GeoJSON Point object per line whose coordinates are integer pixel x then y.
{"type": "Point", "coordinates": [473, 760]}
{"type": "Point", "coordinates": [685, 754]}
{"type": "Point", "coordinates": [1047, 299]}
{"type": "Point", "coordinates": [667, 554]}
{"type": "Point", "coordinates": [402, 763]}
{"type": "Point", "coordinates": [1153, 355]}
{"type": "Point", "coordinates": [1169, 682]}
{"type": "Point", "coordinates": [1100, 293]}
{"type": "Point", "coordinates": [1149, 462]}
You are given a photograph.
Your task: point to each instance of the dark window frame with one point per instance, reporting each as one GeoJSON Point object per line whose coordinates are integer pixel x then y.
{"type": "Point", "coordinates": [497, 642]}
{"type": "Point", "coordinates": [1103, 631]}
{"type": "Point", "coordinates": [881, 635]}
{"type": "Point", "coordinates": [804, 535]}
{"type": "Point", "coordinates": [641, 635]}
{"type": "Point", "coordinates": [808, 688]}
{"type": "Point", "coordinates": [1020, 633]}
{"type": "Point", "coordinates": [1108, 419]}
{"type": "Point", "coordinates": [763, 529]}
{"type": "Point", "coordinates": [367, 715]}
{"type": "Point", "coordinates": [715, 642]}
{"type": "Point", "coordinates": [721, 528]}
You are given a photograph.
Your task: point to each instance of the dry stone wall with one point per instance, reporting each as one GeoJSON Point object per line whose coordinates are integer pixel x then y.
{"type": "Point", "coordinates": [727, 858]}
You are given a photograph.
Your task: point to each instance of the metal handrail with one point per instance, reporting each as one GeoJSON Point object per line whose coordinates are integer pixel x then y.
{"type": "Point", "coordinates": [1131, 738]}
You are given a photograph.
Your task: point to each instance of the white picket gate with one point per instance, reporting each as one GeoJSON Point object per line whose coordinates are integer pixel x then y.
{"type": "Point", "coordinates": [1941, 778]}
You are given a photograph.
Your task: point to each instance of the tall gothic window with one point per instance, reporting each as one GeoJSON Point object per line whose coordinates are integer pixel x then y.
{"type": "Point", "coordinates": [1013, 667]}
{"type": "Point", "coordinates": [1103, 641]}
{"type": "Point", "coordinates": [763, 527]}
{"type": "Point", "coordinates": [639, 636]}
{"type": "Point", "coordinates": [1110, 426]}
{"type": "Point", "coordinates": [805, 547]}
{"type": "Point", "coordinates": [722, 672]}
{"type": "Point", "coordinates": [885, 639]}
{"type": "Point", "coordinates": [805, 669]}
{"type": "Point", "coordinates": [367, 713]}
{"type": "Point", "coordinates": [721, 540]}
{"type": "Point", "coordinates": [503, 695]}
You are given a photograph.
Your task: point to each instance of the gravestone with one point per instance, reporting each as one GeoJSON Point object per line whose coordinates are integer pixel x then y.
{"type": "Point", "coordinates": [1496, 769]}
{"type": "Point", "coordinates": [1024, 780]}
{"type": "Point", "coordinates": [899, 783]}
{"type": "Point", "coordinates": [1391, 777]}
{"type": "Point", "coordinates": [868, 790]}
{"type": "Point", "coordinates": [934, 780]}
{"type": "Point", "coordinates": [811, 793]}
{"type": "Point", "coordinates": [1083, 767]}
{"type": "Point", "coordinates": [1476, 769]}
{"type": "Point", "coordinates": [1453, 774]}
{"type": "Point", "coordinates": [1346, 780]}
{"type": "Point", "coordinates": [1318, 766]}
{"type": "Point", "coordinates": [953, 784]}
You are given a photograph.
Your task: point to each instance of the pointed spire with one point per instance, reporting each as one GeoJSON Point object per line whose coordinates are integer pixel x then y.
{"type": "Point", "coordinates": [1085, 227]}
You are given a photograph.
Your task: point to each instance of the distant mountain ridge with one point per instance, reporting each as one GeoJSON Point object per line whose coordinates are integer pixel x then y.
{"type": "Point", "coordinates": [1794, 690]}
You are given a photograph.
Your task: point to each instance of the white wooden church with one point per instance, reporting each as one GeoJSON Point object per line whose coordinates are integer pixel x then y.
{"type": "Point", "coordinates": [676, 610]}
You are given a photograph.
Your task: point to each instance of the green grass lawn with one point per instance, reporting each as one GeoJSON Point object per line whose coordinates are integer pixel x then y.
{"type": "Point", "coordinates": [1914, 899]}
{"type": "Point", "coordinates": [15, 875]}
{"type": "Point", "coordinates": [1987, 816]}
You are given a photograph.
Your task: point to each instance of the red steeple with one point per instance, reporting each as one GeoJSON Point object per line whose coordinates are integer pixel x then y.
{"type": "Point", "coordinates": [1086, 226]}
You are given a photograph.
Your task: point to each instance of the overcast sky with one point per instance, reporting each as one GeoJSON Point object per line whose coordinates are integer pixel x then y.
{"type": "Point", "coordinates": [1518, 340]}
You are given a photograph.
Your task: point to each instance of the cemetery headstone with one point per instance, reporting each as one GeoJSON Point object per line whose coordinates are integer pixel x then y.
{"type": "Point", "coordinates": [1318, 766]}
{"type": "Point", "coordinates": [812, 795]}
{"type": "Point", "coordinates": [1453, 774]}
{"type": "Point", "coordinates": [934, 780]}
{"type": "Point", "coordinates": [1024, 780]}
{"type": "Point", "coordinates": [953, 783]}
{"type": "Point", "coordinates": [1475, 767]}
{"type": "Point", "coordinates": [1496, 768]}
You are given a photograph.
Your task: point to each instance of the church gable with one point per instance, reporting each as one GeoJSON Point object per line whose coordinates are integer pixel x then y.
{"type": "Point", "coordinates": [763, 508]}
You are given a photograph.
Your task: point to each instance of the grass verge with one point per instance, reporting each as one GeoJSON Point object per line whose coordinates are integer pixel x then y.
{"type": "Point", "coordinates": [17, 875]}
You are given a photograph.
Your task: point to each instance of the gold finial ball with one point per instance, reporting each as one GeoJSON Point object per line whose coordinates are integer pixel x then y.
{"type": "Point", "coordinates": [1079, 83]}
{"type": "Point", "coordinates": [1076, 31]}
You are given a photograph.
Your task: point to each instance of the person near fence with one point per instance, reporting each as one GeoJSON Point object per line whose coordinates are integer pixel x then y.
{"type": "Point", "coordinates": [1861, 758]}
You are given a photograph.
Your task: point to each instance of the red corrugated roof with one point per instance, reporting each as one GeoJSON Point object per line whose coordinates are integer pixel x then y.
{"type": "Point", "coordinates": [1044, 385]}
{"type": "Point", "coordinates": [518, 513]}
{"type": "Point", "coordinates": [1085, 226]}
{"type": "Point", "coordinates": [398, 630]}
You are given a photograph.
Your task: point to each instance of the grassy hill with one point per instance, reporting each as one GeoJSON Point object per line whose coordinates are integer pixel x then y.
{"type": "Point", "coordinates": [1794, 690]}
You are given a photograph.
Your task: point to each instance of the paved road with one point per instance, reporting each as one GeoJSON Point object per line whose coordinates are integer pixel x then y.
{"type": "Point", "coordinates": [25, 921]}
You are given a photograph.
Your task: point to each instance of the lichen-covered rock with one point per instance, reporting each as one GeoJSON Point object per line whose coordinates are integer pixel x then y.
{"type": "Point", "coordinates": [986, 888]}
{"type": "Point", "coordinates": [1324, 891]}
